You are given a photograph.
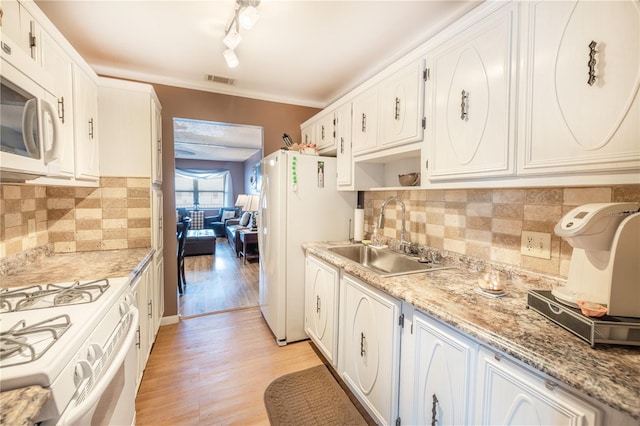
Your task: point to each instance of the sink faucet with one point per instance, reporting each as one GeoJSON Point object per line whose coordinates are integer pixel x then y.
{"type": "Point", "coordinates": [403, 242]}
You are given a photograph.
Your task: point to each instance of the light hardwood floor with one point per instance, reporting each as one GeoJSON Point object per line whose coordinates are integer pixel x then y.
{"type": "Point", "coordinates": [218, 283]}
{"type": "Point", "coordinates": [214, 369]}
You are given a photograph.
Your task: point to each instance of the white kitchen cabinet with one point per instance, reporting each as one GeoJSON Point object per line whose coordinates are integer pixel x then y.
{"type": "Point", "coordinates": [471, 96]}
{"type": "Point", "coordinates": [59, 64]}
{"type": "Point", "coordinates": [22, 28]}
{"type": "Point", "coordinates": [156, 138]}
{"type": "Point", "coordinates": [370, 347]}
{"type": "Point", "coordinates": [157, 240]}
{"type": "Point", "coordinates": [158, 293]}
{"type": "Point", "coordinates": [321, 306]}
{"type": "Point", "coordinates": [343, 139]}
{"type": "Point", "coordinates": [507, 394]}
{"type": "Point", "coordinates": [580, 106]}
{"type": "Point", "coordinates": [307, 130]}
{"type": "Point", "coordinates": [85, 101]}
{"type": "Point", "coordinates": [325, 132]}
{"type": "Point", "coordinates": [141, 288]}
{"type": "Point", "coordinates": [365, 121]}
{"type": "Point", "coordinates": [129, 133]}
{"type": "Point", "coordinates": [402, 106]}
{"type": "Point", "coordinates": [438, 367]}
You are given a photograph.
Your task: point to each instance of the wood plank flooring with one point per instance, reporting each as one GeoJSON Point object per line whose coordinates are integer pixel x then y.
{"type": "Point", "coordinates": [219, 283]}
{"type": "Point", "coordinates": [213, 370]}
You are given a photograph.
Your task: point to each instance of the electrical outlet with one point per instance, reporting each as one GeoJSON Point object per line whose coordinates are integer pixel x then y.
{"type": "Point", "coordinates": [536, 244]}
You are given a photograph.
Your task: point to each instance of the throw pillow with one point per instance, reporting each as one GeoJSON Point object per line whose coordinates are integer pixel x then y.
{"type": "Point", "coordinates": [254, 221]}
{"type": "Point", "coordinates": [197, 219]}
{"type": "Point", "coordinates": [228, 214]}
{"type": "Point", "coordinates": [244, 220]}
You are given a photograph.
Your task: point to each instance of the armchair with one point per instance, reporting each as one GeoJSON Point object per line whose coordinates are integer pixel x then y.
{"type": "Point", "coordinates": [219, 222]}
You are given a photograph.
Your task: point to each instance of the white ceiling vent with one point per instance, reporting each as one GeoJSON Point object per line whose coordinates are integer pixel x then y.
{"type": "Point", "coordinates": [219, 79]}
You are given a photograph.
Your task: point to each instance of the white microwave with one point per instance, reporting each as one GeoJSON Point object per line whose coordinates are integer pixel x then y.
{"type": "Point", "coordinates": [29, 137]}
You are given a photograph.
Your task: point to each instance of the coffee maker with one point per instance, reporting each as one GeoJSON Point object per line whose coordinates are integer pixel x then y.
{"type": "Point", "coordinates": [605, 264]}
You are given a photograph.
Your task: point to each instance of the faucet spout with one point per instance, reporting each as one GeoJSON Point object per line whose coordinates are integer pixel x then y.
{"type": "Point", "coordinates": [403, 241]}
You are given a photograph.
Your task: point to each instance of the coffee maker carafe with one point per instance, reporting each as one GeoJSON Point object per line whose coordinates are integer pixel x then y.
{"type": "Point", "coordinates": [605, 264]}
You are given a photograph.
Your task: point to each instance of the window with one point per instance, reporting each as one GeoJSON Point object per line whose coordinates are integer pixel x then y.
{"type": "Point", "coordinates": [207, 193]}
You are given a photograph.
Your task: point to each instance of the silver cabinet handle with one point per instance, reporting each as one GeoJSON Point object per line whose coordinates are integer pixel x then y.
{"type": "Point", "coordinates": [341, 145]}
{"type": "Point", "coordinates": [362, 343]}
{"type": "Point", "coordinates": [364, 122]}
{"type": "Point", "coordinates": [397, 115]}
{"type": "Point", "coordinates": [434, 405]}
{"type": "Point", "coordinates": [61, 109]}
{"type": "Point", "coordinates": [592, 63]}
{"type": "Point", "coordinates": [91, 128]}
{"type": "Point", "coordinates": [317, 304]}
{"type": "Point", "coordinates": [464, 105]}
{"type": "Point", "coordinates": [322, 137]}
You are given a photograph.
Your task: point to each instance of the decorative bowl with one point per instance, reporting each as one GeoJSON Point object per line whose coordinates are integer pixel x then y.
{"type": "Point", "coordinates": [409, 179]}
{"type": "Point", "coordinates": [492, 282]}
{"type": "Point", "coordinates": [591, 309]}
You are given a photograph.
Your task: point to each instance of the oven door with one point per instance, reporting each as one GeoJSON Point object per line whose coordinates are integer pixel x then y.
{"type": "Point", "coordinates": [106, 395]}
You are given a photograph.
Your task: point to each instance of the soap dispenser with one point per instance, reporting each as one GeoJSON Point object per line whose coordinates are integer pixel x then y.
{"type": "Point", "coordinates": [375, 237]}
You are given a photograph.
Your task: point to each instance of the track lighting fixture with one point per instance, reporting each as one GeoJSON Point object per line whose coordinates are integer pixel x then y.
{"type": "Point", "coordinates": [245, 15]}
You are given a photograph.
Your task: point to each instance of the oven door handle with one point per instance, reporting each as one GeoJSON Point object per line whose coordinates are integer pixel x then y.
{"type": "Point", "coordinates": [73, 413]}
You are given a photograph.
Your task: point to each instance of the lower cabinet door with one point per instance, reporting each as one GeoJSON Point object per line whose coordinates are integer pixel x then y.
{"type": "Point", "coordinates": [370, 346]}
{"type": "Point", "coordinates": [321, 313]}
{"type": "Point", "coordinates": [508, 394]}
{"type": "Point", "coordinates": [441, 374]}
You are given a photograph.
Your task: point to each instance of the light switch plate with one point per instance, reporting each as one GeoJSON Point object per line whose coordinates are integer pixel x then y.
{"type": "Point", "coordinates": [536, 244]}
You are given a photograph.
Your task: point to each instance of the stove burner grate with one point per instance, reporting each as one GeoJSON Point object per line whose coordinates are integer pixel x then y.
{"type": "Point", "coordinates": [24, 343]}
{"type": "Point", "coordinates": [39, 296]}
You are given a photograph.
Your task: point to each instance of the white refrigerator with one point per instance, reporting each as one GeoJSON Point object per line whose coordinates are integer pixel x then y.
{"type": "Point", "coordinates": [298, 203]}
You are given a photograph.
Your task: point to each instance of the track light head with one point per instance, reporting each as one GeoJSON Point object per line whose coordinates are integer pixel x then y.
{"type": "Point", "coordinates": [231, 58]}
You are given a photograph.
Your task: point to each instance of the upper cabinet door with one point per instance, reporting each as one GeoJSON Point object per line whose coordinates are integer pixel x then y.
{"type": "Point", "coordinates": [580, 110]}
{"type": "Point", "coordinates": [471, 101]}
{"type": "Point", "coordinates": [364, 124]}
{"type": "Point", "coordinates": [402, 106]}
{"type": "Point", "coordinates": [343, 141]}
{"type": "Point", "coordinates": [326, 133]}
{"type": "Point", "coordinates": [85, 100]}
{"type": "Point", "coordinates": [60, 65]}
{"type": "Point", "coordinates": [156, 142]}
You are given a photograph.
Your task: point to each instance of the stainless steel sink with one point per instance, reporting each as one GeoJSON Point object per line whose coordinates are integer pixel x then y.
{"type": "Point", "coordinates": [384, 262]}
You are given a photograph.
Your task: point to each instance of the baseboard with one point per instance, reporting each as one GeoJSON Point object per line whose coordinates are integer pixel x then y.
{"type": "Point", "coordinates": [173, 319]}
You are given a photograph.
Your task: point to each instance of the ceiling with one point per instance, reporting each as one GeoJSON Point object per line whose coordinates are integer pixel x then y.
{"type": "Point", "coordinates": [201, 140]}
{"type": "Point", "coordinates": [302, 52]}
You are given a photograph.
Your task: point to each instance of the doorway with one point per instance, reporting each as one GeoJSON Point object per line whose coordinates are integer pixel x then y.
{"type": "Point", "coordinates": [219, 281]}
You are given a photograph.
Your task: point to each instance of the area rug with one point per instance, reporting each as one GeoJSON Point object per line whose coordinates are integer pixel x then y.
{"type": "Point", "coordinates": [310, 397]}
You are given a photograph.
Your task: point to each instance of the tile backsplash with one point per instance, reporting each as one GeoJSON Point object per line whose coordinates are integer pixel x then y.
{"type": "Point", "coordinates": [487, 223]}
{"type": "Point", "coordinates": [115, 215]}
{"type": "Point", "coordinates": [480, 223]}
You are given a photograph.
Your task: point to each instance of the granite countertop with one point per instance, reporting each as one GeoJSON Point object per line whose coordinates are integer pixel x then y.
{"type": "Point", "coordinates": [65, 267]}
{"type": "Point", "coordinates": [608, 373]}
{"type": "Point", "coordinates": [22, 406]}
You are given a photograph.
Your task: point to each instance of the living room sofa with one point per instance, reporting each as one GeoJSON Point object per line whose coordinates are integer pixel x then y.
{"type": "Point", "coordinates": [214, 219]}
{"type": "Point", "coordinates": [233, 226]}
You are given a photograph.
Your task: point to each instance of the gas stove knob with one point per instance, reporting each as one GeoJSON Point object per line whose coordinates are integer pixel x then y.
{"type": "Point", "coordinates": [124, 308]}
{"type": "Point", "coordinates": [129, 298]}
{"type": "Point", "coordinates": [94, 353]}
{"type": "Point", "coordinates": [82, 371]}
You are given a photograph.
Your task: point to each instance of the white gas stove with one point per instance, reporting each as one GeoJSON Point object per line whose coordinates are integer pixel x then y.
{"type": "Point", "coordinates": [72, 338]}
